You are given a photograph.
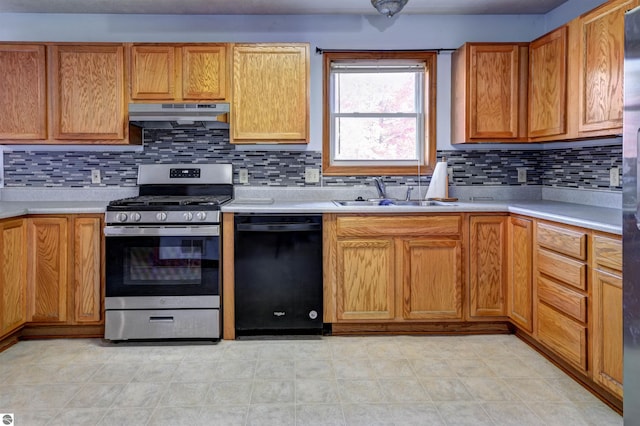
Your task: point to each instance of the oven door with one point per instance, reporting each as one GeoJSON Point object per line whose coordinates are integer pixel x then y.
{"type": "Point", "coordinates": [162, 261]}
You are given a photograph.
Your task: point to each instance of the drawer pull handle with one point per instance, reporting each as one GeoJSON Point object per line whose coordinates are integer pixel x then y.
{"type": "Point", "coordinates": [160, 319]}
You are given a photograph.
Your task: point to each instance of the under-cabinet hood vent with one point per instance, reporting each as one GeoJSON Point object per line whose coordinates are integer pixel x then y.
{"type": "Point", "coordinates": [179, 116]}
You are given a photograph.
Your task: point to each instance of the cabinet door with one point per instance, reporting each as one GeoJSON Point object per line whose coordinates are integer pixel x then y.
{"type": "Point", "coordinates": [494, 91]}
{"type": "Point", "coordinates": [48, 276]}
{"type": "Point", "coordinates": [153, 72]}
{"type": "Point", "coordinates": [547, 84]}
{"type": "Point", "coordinates": [23, 110]}
{"type": "Point", "coordinates": [87, 91]}
{"type": "Point", "coordinates": [520, 280]}
{"type": "Point", "coordinates": [365, 279]}
{"type": "Point", "coordinates": [607, 331]}
{"type": "Point", "coordinates": [432, 281]}
{"type": "Point", "coordinates": [270, 93]}
{"type": "Point", "coordinates": [601, 67]}
{"type": "Point", "coordinates": [487, 266]}
{"type": "Point", "coordinates": [87, 285]}
{"type": "Point", "coordinates": [204, 72]}
{"type": "Point", "coordinates": [13, 275]}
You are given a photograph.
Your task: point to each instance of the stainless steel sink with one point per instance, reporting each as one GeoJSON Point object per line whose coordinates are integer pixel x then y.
{"type": "Point", "coordinates": [388, 203]}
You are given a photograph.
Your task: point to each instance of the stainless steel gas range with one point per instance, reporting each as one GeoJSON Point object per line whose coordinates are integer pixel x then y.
{"type": "Point", "coordinates": [163, 254]}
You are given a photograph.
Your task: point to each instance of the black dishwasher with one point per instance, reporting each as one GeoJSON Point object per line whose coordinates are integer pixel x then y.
{"type": "Point", "coordinates": [278, 274]}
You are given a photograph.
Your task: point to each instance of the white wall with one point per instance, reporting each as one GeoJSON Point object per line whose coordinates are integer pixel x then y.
{"type": "Point", "coordinates": [324, 31]}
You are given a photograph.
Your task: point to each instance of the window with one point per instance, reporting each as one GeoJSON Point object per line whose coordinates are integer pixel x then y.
{"type": "Point", "coordinates": [379, 113]}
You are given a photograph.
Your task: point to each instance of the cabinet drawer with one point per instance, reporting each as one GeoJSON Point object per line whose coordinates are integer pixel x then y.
{"type": "Point", "coordinates": [565, 300]}
{"type": "Point", "coordinates": [355, 226]}
{"type": "Point", "coordinates": [563, 335]}
{"type": "Point", "coordinates": [607, 252]}
{"type": "Point", "coordinates": [562, 240]}
{"type": "Point", "coordinates": [563, 269]}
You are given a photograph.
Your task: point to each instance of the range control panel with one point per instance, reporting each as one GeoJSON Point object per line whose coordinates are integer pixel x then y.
{"type": "Point", "coordinates": [184, 173]}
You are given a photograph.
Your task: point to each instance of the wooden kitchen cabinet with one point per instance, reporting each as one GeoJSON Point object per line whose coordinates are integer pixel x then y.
{"type": "Point", "coordinates": [488, 266]}
{"type": "Point", "coordinates": [393, 268]}
{"type": "Point", "coordinates": [432, 279]}
{"type": "Point", "coordinates": [548, 84]}
{"type": "Point", "coordinates": [48, 275]}
{"type": "Point", "coordinates": [270, 95]}
{"type": "Point", "coordinates": [489, 93]}
{"type": "Point", "coordinates": [366, 282]}
{"type": "Point", "coordinates": [13, 275]}
{"type": "Point", "coordinates": [87, 276]}
{"type": "Point", "coordinates": [23, 84]}
{"type": "Point", "coordinates": [65, 272]}
{"type": "Point", "coordinates": [520, 272]}
{"type": "Point", "coordinates": [562, 291]}
{"type": "Point", "coordinates": [607, 337]}
{"type": "Point", "coordinates": [88, 92]}
{"type": "Point", "coordinates": [600, 70]}
{"type": "Point", "coordinates": [176, 72]}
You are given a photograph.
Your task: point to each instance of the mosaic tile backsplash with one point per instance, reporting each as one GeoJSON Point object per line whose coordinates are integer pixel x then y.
{"type": "Point", "coordinates": [585, 168]}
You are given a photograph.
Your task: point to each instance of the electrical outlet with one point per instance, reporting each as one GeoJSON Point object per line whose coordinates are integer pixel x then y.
{"type": "Point", "coordinates": [450, 172]}
{"type": "Point", "coordinates": [311, 175]}
{"type": "Point", "coordinates": [95, 176]}
{"type": "Point", "coordinates": [243, 176]}
{"type": "Point", "coordinates": [614, 176]}
{"type": "Point", "coordinates": [522, 174]}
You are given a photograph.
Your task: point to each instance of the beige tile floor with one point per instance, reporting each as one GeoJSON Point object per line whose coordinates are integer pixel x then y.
{"type": "Point", "coordinates": [389, 380]}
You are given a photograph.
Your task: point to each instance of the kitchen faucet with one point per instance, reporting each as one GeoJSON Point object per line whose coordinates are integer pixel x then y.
{"type": "Point", "coordinates": [382, 190]}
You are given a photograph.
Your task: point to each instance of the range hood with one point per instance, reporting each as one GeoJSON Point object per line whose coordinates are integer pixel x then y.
{"type": "Point", "coordinates": [178, 116]}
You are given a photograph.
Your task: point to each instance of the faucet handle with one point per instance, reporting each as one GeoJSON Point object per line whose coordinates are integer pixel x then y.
{"type": "Point", "coordinates": [408, 197]}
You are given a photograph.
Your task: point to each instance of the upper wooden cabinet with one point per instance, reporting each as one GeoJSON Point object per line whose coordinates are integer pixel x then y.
{"type": "Point", "coordinates": [270, 97]}
{"type": "Point", "coordinates": [548, 84]}
{"type": "Point", "coordinates": [489, 92]}
{"type": "Point", "coordinates": [172, 72]}
{"type": "Point", "coordinates": [23, 83]}
{"type": "Point", "coordinates": [600, 68]}
{"type": "Point", "coordinates": [87, 91]}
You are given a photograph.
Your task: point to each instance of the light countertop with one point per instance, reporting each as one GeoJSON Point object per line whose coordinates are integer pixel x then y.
{"type": "Point", "coordinates": [596, 218]}
{"type": "Point", "coordinates": [10, 209]}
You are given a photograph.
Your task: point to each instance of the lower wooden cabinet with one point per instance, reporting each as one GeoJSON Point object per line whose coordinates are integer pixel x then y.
{"type": "Point", "coordinates": [431, 279]}
{"type": "Point", "coordinates": [562, 291]}
{"type": "Point", "coordinates": [520, 273]}
{"type": "Point", "coordinates": [607, 341]}
{"type": "Point", "coordinates": [487, 266]}
{"type": "Point", "coordinates": [48, 274]}
{"type": "Point", "coordinates": [365, 277]}
{"type": "Point", "coordinates": [65, 273]}
{"type": "Point", "coordinates": [393, 268]}
{"type": "Point", "coordinates": [13, 275]}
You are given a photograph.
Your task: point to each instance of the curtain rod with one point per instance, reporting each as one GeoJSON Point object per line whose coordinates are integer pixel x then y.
{"type": "Point", "coordinates": [320, 51]}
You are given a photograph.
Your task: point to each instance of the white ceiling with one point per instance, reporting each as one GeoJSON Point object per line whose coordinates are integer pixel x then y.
{"type": "Point", "coordinates": [275, 7]}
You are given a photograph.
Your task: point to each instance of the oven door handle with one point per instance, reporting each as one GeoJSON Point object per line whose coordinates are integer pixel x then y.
{"type": "Point", "coordinates": [162, 231]}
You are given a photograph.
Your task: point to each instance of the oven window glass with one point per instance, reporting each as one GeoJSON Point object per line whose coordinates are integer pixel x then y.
{"type": "Point", "coordinates": [175, 261]}
{"type": "Point", "coordinates": [162, 266]}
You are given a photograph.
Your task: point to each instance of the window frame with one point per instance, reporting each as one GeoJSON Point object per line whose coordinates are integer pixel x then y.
{"type": "Point", "coordinates": [427, 165]}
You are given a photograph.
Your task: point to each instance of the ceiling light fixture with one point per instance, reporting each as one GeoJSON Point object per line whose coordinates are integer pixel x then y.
{"type": "Point", "coordinates": [389, 7]}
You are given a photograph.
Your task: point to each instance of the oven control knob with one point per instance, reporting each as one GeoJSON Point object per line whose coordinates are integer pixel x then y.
{"type": "Point", "coordinates": [188, 216]}
{"type": "Point", "coordinates": [313, 315]}
{"type": "Point", "coordinates": [121, 217]}
{"type": "Point", "coordinates": [201, 215]}
{"type": "Point", "coordinates": [161, 216]}
{"type": "Point", "coordinates": [136, 217]}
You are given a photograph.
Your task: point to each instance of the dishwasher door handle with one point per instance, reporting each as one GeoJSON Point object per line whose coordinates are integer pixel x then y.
{"type": "Point", "coordinates": [278, 227]}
